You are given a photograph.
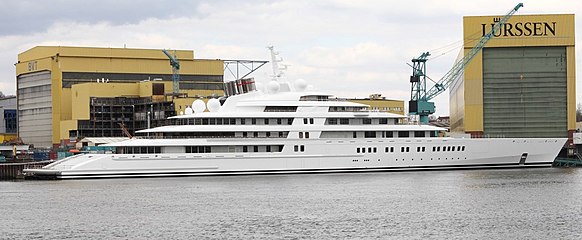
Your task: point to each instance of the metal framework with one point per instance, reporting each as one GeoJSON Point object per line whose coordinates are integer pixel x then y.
{"type": "Point", "coordinates": [239, 69]}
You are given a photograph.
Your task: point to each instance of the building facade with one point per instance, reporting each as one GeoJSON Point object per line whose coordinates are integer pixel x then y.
{"type": "Point", "coordinates": [55, 85]}
{"type": "Point", "coordinates": [522, 83]}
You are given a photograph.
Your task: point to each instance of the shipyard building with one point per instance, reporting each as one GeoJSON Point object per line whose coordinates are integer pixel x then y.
{"type": "Point", "coordinates": [522, 84]}
{"type": "Point", "coordinates": [68, 92]}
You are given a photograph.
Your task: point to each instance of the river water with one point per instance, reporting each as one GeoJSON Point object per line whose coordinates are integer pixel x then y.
{"type": "Point", "coordinates": [471, 204]}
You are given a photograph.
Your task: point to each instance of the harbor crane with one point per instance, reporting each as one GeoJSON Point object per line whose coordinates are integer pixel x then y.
{"type": "Point", "coordinates": [175, 72]}
{"type": "Point", "coordinates": [419, 95]}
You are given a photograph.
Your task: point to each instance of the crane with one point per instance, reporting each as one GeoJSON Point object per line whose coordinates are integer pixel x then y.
{"type": "Point", "coordinates": [419, 95]}
{"type": "Point", "coordinates": [175, 72]}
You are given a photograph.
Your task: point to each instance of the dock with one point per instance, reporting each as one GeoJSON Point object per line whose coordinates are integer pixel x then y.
{"type": "Point", "coordinates": [14, 170]}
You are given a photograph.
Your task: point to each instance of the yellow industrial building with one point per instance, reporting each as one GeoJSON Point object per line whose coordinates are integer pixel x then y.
{"type": "Point", "coordinates": [58, 87]}
{"type": "Point", "coordinates": [522, 84]}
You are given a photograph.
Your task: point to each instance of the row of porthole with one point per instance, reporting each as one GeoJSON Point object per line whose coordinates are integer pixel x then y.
{"type": "Point", "coordinates": [412, 159]}
{"type": "Point", "coordinates": [367, 160]}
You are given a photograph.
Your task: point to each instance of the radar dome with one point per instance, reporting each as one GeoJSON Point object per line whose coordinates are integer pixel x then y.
{"type": "Point", "coordinates": [198, 106]}
{"type": "Point", "coordinates": [213, 105]}
{"type": "Point", "coordinates": [188, 110]}
{"type": "Point", "coordinates": [181, 113]}
{"type": "Point", "coordinates": [273, 87]}
{"type": "Point", "coordinates": [300, 85]}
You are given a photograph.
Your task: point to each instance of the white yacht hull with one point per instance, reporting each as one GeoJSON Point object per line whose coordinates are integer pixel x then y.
{"type": "Point", "coordinates": [319, 156]}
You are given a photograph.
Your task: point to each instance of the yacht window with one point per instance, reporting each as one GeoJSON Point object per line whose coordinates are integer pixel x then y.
{"type": "Point", "coordinates": [357, 150]}
{"type": "Point", "coordinates": [296, 148]}
{"type": "Point", "coordinates": [332, 121]}
{"type": "Point", "coordinates": [303, 148]}
{"type": "Point", "coordinates": [438, 149]}
{"type": "Point", "coordinates": [255, 134]}
{"type": "Point", "coordinates": [253, 121]}
{"type": "Point", "coordinates": [233, 121]}
{"type": "Point", "coordinates": [401, 149]}
{"type": "Point", "coordinates": [278, 121]}
{"type": "Point", "coordinates": [245, 134]}
{"type": "Point", "coordinates": [369, 134]}
{"type": "Point", "coordinates": [463, 148]}
{"type": "Point", "coordinates": [423, 149]}
{"type": "Point", "coordinates": [367, 121]}
{"type": "Point", "coordinates": [266, 121]}
{"type": "Point", "coordinates": [389, 134]}
{"type": "Point", "coordinates": [369, 149]}
{"type": "Point", "coordinates": [300, 134]}
{"type": "Point", "coordinates": [363, 150]}
{"type": "Point", "coordinates": [242, 121]}
{"type": "Point", "coordinates": [245, 149]}
{"type": "Point", "coordinates": [375, 149]}
{"type": "Point", "coordinates": [197, 121]}
{"type": "Point", "coordinates": [311, 121]}
{"type": "Point", "coordinates": [305, 121]}
{"type": "Point", "coordinates": [212, 121]}
{"type": "Point", "coordinates": [417, 149]}
{"type": "Point", "coordinates": [219, 121]}
{"type": "Point", "coordinates": [290, 121]}
{"type": "Point", "coordinates": [355, 135]}
{"type": "Point", "coordinates": [458, 148]}
{"type": "Point", "coordinates": [403, 134]}
{"type": "Point", "coordinates": [306, 134]}
{"type": "Point", "coordinates": [433, 148]}
{"type": "Point", "coordinates": [433, 133]}
{"type": "Point", "coordinates": [280, 134]}
{"type": "Point", "coordinates": [268, 134]}
{"type": "Point", "coordinates": [386, 149]}
{"type": "Point", "coordinates": [383, 121]}
{"type": "Point", "coordinates": [391, 149]}
{"type": "Point", "coordinates": [418, 133]}
{"type": "Point", "coordinates": [407, 149]}
{"type": "Point", "coordinates": [344, 121]}
{"type": "Point", "coordinates": [268, 149]}
{"type": "Point", "coordinates": [205, 121]}
{"type": "Point", "coordinates": [255, 148]}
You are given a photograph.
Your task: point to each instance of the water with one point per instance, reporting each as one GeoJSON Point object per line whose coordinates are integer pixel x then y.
{"type": "Point", "coordinates": [507, 204]}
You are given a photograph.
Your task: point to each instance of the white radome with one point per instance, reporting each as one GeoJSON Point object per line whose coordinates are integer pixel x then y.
{"type": "Point", "coordinates": [188, 110]}
{"type": "Point", "coordinates": [198, 106]}
{"type": "Point", "coordinates": [300, 85]}
{"type": "Point", "coordinates": [273, 87]}
{"type": "Point", "coordinates": [213, 105]}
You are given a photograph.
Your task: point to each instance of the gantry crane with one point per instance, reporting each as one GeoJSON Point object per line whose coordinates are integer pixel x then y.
{"type": "Point", "coordinates": [175, 72]}
{"type": "Point", "coordinates": [419, 97]}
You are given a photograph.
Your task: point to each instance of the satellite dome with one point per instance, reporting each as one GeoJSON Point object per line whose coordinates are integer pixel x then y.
{"type": "Point", "coordinates": [213, 105]}
{"type": "Point", "coordinates": [273, 87]}
{"type": "Point", "coordinates": [188, 110]}
{"type": "Point", "coordinates": [300, 85]}
{"type": "Point", "coordinates": [198, 106]}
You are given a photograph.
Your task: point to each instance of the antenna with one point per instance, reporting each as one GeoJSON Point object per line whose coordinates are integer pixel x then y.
{"type": "Point", "coordinates": [278, 72]}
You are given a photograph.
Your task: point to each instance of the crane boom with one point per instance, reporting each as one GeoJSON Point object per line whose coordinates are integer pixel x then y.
{"type": "Point", "coordinates": [175, 72]}
{"type": "Point", "coordinates": [419, 99]}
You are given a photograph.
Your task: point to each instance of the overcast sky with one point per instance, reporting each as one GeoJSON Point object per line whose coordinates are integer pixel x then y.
{"type": "Point", "coordinates": [349, 48]}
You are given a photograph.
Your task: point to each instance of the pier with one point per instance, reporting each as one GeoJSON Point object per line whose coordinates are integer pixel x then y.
{"type": "Point", "coordinates": [14, 170]}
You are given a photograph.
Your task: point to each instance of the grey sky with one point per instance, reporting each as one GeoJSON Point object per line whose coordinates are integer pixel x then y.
{"type": "Point", "coordinates": [351, 48]}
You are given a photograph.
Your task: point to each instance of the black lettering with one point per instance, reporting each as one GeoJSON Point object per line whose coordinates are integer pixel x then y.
{"type": "Point", "coordinates": [527, 27]}
{"type": "Point", "coordinates": [548, 28]}
{"type": "Point", "coordinates": [499, 31]}
{"type": "Point", "coordinates": [483, 27]}
{"type": "Point", "coordinates": [507, 29]}
{"type": "Point", "coordinates": [518, 29]}
{"type": "Point", "coordinates": [537, 26]}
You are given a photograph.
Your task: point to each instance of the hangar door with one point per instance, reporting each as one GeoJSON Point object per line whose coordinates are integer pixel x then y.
{"type": "Point", "coordinates": [524, 92]}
